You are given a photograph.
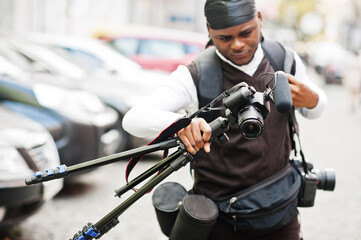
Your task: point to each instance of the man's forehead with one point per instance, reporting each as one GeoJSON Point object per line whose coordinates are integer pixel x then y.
{"type": "Point", "coordinates": [236, 29]}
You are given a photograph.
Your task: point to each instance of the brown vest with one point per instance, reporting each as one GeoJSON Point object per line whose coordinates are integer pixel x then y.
{"type": "Point", "coordinates": [241, 163]}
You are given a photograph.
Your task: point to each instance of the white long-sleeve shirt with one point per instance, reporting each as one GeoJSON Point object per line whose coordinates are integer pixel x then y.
{"type": "Point", "coordinates": [148, 118]}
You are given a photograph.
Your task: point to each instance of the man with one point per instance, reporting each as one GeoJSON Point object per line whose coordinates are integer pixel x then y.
{"type": "Point", "coordinates": [235, 28]}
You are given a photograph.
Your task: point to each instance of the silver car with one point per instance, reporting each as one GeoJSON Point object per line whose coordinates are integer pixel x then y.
{"type": "Point", "coordinates": [25, 147]}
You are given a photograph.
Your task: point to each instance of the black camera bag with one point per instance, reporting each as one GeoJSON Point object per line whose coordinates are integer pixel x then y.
{"type": "Point", "coordinates": [182, 215]}
{"type": "Point", "coordinates": [263, 207]}
{"type": "Point", "coordinates": [196, 218]}
{"type": "Point", "coordinates": [167, 199]}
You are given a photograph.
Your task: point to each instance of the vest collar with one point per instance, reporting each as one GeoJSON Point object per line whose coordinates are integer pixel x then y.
{"type": "Point", "coordinates": [249, 68]}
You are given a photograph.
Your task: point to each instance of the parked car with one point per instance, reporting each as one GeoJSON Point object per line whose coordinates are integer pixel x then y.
{"type": "Point", "coordinates": [81, 125]}
{"type": "Point", "coordinates": [156, 48]}
{"type": "Point", "coordinates": [90, 55]}
{"type": "Point", "coordinates": [328, 59]}
{"type": "Point", "coordinates": [116, 75]}
{"type": "Point", "coordinates": [25, 147]}
{"type": "Point", "coordinates": [117, 81]}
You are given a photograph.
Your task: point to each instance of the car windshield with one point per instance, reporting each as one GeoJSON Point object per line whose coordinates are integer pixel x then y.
{"type": "Point", "coordinates": [84, 59]}
{"type": "Point", "coordinates": [153, 47]}
{"type": "Point", "coordinates": [192, 48]}
{"type": "Point", "coordinates": [161, 48]}
{"type": "Point", "coordinates": [126, 46]}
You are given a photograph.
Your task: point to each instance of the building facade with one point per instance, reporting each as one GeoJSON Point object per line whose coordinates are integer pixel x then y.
{"type": "Point", "coordinates": [82, 17]}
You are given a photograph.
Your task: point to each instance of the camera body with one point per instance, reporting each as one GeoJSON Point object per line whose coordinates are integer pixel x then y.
{"type": "Point", "coordinates": [247, 108]}
{"type": "Point", "coordinates": [311, 180]}
{"type": "Point", "coordinates": [307, 193]}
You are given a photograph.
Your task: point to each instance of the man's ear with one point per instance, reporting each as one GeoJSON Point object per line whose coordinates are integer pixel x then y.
{"type": "Point", "coordinates": [210, 41]}
{"type": "Point", "coordinates": [259, 16]}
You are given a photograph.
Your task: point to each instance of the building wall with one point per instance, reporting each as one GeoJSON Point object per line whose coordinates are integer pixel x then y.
{"type": "Point", "coordinates": [82, 17]}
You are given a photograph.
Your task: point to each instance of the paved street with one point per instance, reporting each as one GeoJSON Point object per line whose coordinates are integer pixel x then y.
{"type": "Point", "coordinates": [331, 141]}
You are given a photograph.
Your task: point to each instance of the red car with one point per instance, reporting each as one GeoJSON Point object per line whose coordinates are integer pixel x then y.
{"type": "Point", "coordinates": [155, 48]}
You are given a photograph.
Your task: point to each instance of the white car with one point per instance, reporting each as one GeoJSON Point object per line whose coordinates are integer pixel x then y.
{"type": "Point", "coordinates": [25, 147]}
{"type": "Point", "coordinates": [111, 73]}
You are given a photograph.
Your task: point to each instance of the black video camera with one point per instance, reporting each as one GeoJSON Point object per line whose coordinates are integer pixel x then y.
{"type": "Point", "coordinates": [247, 108]}
{"type": "Point", "coordinates": [311, 180]}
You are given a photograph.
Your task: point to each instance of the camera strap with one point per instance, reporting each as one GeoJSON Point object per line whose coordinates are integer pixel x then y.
{"type": "Point", "coordinates": [294, 131]}
{"type": "Point", "coordinates": [282, 58]}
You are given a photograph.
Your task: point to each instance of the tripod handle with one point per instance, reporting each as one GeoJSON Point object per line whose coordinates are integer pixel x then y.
{"type": "Point", "coordinates": [63, 171]}
{"type": "Point", "coordinates": [88, 232]}
{"type": "Point", "coordinates": [47, 175]}
{"type": "Point", "coordinates": [219, 128]}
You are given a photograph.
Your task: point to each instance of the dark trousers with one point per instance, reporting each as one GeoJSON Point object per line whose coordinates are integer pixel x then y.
{"type": "Point", "coordinates": [224, 231]}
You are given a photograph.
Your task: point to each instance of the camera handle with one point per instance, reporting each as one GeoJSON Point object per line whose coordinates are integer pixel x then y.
{"type": "Point", "coordinates": [170, 164]}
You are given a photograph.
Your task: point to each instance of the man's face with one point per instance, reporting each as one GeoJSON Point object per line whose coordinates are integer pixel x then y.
{"type": "Point", "coordinates": [239, 43]}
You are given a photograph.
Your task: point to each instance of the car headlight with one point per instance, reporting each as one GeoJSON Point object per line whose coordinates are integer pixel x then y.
{"type": "Point", "coordinates": [45, 155]}
{"type": "Point", "coordinates": [12, 164]}
{"type": "Point", "coordinates": [68, 100]}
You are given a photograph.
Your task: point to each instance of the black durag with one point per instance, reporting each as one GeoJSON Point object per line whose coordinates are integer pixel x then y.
{"type": "Point", "coordinates": [224, 14]}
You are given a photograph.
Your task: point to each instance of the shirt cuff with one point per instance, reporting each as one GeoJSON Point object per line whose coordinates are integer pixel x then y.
{"type": "Point", "coordinates": [315, 112]}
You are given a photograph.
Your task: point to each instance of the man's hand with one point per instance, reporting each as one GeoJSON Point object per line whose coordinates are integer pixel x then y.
{"type": "Point", "coordinates": [302, 95]}
{"type": "Point", "coordinates": [196, 136]}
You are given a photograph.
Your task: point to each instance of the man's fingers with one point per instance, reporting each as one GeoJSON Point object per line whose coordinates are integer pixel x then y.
{"type": "Point", "coordinates": [196, 136]}
{"type": "Point", "coordinates": [187, 139]}
{"type": "Point", "coordinates": [192, 138]}
{"type": "Point", "coordinates": [207, 147]}
{"type": "Point", "coordinates": [291, 79]}
{"type": "Point", "coordinates": [207, 131]}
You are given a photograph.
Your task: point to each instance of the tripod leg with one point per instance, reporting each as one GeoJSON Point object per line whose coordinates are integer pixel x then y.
{"type": "Point", "coordinates": [111, 219]}
{"type": "Point", "coordinates": [146, 174]}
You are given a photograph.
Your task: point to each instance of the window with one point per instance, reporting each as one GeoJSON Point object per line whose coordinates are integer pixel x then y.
{"type": "Point", "coordinates": [84, 59]}
{"type": "Point", "coordinates": [161, 48]}
{"type": "Point", "coordinates": [126, 46]}
{"type": "Point", "coordinates": [192, 48]}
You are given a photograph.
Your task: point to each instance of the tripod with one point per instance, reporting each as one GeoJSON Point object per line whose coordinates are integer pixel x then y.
{"type": "Point", "coordinates": [165, 168]}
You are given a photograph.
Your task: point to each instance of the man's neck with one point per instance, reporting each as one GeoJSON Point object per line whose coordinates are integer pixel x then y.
{"type": "Point", "coordinates": [249, 68]}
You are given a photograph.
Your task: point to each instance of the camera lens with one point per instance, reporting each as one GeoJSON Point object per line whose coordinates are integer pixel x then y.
{"type": "Point", "coordinates": [250, 121]}
{"type": "Point", "coordinates": [251, 129]}
{"type": "Point", "coordinates": [326, 179]}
